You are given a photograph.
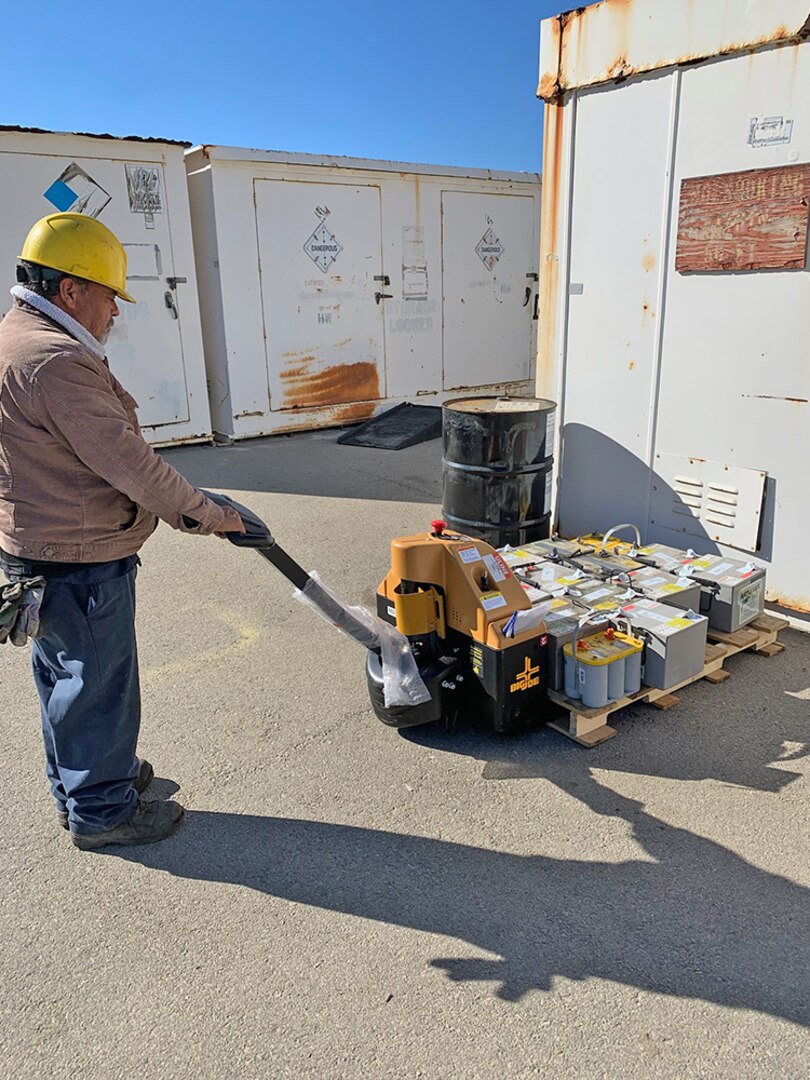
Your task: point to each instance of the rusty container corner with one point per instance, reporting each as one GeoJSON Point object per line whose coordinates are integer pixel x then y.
{"type": "Point", "coordinates": [372, 283]}
{"type": "Point", "coordinates": [674, 296]}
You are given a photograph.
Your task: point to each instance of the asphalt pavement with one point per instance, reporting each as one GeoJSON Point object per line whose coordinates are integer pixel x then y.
{"type": "Point", "coordinates": [347, 901]}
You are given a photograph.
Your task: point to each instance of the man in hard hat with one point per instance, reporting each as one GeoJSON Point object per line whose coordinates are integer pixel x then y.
{"type": "Point", "coordinates": [80, 492]}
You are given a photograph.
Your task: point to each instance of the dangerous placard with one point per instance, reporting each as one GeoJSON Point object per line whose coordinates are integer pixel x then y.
{"type": "Point", "coordinates": [323, 247]}
{"type": "Point", "coordinates": [489, 249]}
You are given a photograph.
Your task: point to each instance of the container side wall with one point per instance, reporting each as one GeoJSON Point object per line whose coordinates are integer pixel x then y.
{"type": "Point", "coordinates": [206, 257]}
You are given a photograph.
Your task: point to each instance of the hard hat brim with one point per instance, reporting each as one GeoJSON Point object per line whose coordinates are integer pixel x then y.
{"type": "Point", "coordinates": [125, 296]}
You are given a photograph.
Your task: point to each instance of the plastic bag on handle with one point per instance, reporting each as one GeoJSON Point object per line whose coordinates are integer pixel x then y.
{"type": "Point", "coordinates": [402, 683]}
{"type": "Point", "coordinates": [531, 619]}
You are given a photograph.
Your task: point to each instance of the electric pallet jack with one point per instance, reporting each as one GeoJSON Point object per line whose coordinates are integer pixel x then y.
{"type": "Point", "coordinates": [479, 647]}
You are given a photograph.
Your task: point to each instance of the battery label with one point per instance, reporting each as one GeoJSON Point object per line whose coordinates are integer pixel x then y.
{"type": "Point", "coordinates": [559, 613]}
{"type": "Point", "coordinates": [469, 554]}
{"type": "Point", "coordinates": [722, 568]}
{"type": "Point", "coordinates": [749, 600]}
{"type": "Point", "coordinates": [490, 601]}
{"type": "Point", "coordinates": [590, 597]}
{"type": "Point", "coordinates": [656, 616]}
{"type": "Point", "coordinates": [518, 555]}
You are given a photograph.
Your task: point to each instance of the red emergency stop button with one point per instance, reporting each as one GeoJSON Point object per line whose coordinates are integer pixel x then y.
{"type": "Point", "coordinates": [438, 526]}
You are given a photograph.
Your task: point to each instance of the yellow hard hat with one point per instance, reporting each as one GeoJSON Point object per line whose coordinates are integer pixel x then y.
{"type": "Point", "coordinates": [80, 246]}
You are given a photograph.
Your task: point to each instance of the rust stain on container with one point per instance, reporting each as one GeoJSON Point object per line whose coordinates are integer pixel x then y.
{"type": "Point", "coordinates": [794, 603]}
{"type": "Point", "coordinates": [242, 415]}
{"type": "Point", "coordinates": [335, 385]}
{"type": "Point", "coordinates": [777, 397]}
{"type": "Point", "coordinates": [550, 211]}
{"type": "Point", "coordinates": [361, 411]}
{"type": "Point", "coordinates": [648, 262]}
{"type": "Point", "coordinates": [614, 19]}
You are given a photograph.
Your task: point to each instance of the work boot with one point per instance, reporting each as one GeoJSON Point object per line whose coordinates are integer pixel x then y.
{"type": "Point", "coordinates": [151, 822]}
{"type": "Point", "coordinates": [146, 774]}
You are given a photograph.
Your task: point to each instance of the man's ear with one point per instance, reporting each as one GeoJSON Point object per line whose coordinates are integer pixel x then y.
{"type": "Point", "coordinates": [68, 292]}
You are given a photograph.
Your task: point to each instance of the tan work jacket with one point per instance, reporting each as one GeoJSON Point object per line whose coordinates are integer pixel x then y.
{"type": "Point", "coordinates": [78, 483]}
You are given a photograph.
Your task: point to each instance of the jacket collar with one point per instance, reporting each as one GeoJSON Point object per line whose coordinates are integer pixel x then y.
{"type": "Point", "coordinates": [67, 322]}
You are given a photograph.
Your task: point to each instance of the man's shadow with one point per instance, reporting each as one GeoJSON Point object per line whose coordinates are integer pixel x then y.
{"type": "Point", "coordinates": [694, 920]}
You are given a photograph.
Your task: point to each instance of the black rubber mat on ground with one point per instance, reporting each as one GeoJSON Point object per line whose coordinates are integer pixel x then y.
{"type": "Point", "coordinates": [404, 425]}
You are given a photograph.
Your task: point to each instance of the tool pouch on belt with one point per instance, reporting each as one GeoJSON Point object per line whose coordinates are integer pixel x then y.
{"type": "Point", "coordinates": [19, 610]}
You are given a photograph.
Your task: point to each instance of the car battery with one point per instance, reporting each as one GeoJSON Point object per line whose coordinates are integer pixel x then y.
{"type": "Point", "coordinates": [607, 564]}
{"type": "Point", "coordinates": [733, 591]}
{"type": "Point", "coordinates": [517, 557]}
{"type": "Point", "coordinates": [555, 578]}
{"type": "Point", "coordinates": [561, 622]}
{"type": "Point", "coordinates": [558, 549]}
{"type": "Point", "coordinates": [674, 642]}
{"type": "Point", "coordinates": [592, 595]}
{"type": "Point", "coordinates": [603, 668]}
{"type": "Point", "coordinates": [655, 584]}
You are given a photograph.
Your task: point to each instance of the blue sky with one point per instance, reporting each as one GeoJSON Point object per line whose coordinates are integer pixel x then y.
{"type": "Point", "coordinates": [448, 82]}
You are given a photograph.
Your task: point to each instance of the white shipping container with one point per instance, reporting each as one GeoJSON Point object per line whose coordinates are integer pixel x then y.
{"type": "Point", "coordinates": [674, 283]}
{"type": "Point", "coordinates": [334, 287]}
{"type": "Point", "coordinates": [138, 189]}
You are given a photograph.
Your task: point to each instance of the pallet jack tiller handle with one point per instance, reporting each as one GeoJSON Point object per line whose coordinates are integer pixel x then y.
{"type": "Point", "coordinates": [257, 535]}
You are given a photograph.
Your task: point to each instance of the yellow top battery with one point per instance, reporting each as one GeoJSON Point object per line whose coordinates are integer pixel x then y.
{"type": "Point", "coordinates": [604, 648]}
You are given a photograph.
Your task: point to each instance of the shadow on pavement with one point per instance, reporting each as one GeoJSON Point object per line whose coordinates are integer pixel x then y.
{"type": "Point", "coordinates": [746, 740]}
{"type": "Point", "coordinates": [695, 920]}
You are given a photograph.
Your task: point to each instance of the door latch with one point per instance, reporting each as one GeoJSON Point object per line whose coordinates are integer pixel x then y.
{"type": "Point", "coordinates": [173, 282]}
{"type": "Point", "coordinates": [168, 298]}
{"type": "Point", "coordinates": [378, 296]}
{"type": "Point", "coordinates": [384, 278]}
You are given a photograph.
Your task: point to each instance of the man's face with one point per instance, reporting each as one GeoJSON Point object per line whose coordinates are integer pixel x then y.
{"type": "Point", "coordinates": [92, 305]}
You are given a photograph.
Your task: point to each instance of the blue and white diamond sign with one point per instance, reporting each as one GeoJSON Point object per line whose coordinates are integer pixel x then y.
{"type": "Point", "coordinates": [77, 192]}
{"type": "Point", "coordinates": [323, 247]}
{"type": "Point", "coordinates": [489, 249]}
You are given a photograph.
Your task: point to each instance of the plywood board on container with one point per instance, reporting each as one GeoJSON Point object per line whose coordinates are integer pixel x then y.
{"type": "Point", "coordinates": [752, 220]}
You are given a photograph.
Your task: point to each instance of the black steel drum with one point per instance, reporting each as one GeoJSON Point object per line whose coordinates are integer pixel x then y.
{"type": "Point", "coordinates": [497, 467]}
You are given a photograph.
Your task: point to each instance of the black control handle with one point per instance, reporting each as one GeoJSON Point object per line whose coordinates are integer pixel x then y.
{"type": "Point", "coordinates": [256, 534]}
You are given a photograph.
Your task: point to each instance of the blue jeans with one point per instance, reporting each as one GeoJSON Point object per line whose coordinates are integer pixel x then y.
{"type": "Point", "coordinates": [86, 673]}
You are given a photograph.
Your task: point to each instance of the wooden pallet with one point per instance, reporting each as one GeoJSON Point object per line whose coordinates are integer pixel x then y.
{"type": "Point", "coordinates": [589, 727]}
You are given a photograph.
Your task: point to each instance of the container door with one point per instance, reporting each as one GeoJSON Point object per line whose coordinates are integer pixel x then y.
{"type": "Point", "coordinates": [320, 258]}
{"type": "Point", "coordinates": [488, 255]}
{"type": "Point", "coordinates": [617, 230]}
{"type": "Point", "coordinates": [145, 348]}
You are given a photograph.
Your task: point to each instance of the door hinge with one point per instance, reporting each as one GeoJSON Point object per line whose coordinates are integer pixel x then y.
{"type": "Point", "coordinates": [384, 278]}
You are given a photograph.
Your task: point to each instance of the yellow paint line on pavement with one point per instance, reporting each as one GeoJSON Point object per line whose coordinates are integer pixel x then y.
{"type": "Point", "coordinates": [246, 633]}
